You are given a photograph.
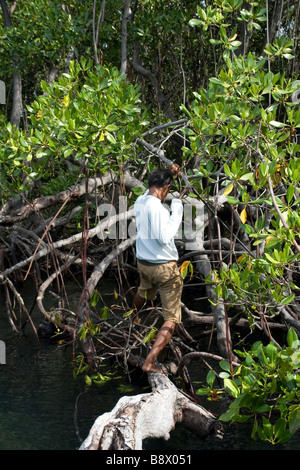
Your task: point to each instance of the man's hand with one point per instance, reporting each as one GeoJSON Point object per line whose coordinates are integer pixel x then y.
{"type": "Point", "coordinates": [175, 169]}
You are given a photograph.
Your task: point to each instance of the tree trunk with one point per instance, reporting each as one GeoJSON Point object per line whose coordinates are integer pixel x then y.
{"type": "Point", "coordinates": [276, 19]}
{"type": "Point", "coordinates": [97, 27]}
{"type": "Point", "coordinates": [149, 415]}
{"type": "Point", "coordinates": [245, 35]}
{"type": "Point", "coordinates": [15, 117]}
{"type": "Point", "coordinates": [273, 23]}
{"type": "Point", "coordinates": [17, 83]}
{"type": "Point", "coordinates": [126, 15]}
{"type": "Point", "coordinates": [162, 100]}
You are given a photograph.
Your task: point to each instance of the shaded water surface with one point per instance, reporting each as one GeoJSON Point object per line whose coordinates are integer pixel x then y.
{"type": "Point", "coordinates": [42, 406]}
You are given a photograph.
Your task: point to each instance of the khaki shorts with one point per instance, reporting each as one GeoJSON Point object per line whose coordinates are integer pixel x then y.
{"type": "Point", "coordinates": [167, 279]}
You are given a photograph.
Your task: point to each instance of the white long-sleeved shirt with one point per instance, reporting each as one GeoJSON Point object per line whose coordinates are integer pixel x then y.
{"type": "Point", "coordinates": [156, 229]}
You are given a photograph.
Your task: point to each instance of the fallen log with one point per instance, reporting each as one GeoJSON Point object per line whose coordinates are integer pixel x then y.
{"type": "Point", "coordinates": [149, 415]}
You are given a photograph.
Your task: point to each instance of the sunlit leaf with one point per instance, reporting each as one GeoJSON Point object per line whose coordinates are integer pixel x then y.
{"type": "Point", "coordinates": [288, 299]}
{"type": "Point", "coordinates": [186, 267]}
{"type": "Point", "coordinates": [127, 314]}
{"type": "Point", "coordinates": [228, 189]}
{"type": "Point", "coordinates": [150, 336]}
{"type": "Point", "coordinates": [243, 216]}
{"type": "Point", "coordinates": [277, 124]}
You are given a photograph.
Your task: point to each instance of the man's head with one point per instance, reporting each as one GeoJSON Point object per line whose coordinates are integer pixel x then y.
{"type": "Point", "coordinates": [160, 178]}
{"type": "Point", "coordinates": [159, 182]}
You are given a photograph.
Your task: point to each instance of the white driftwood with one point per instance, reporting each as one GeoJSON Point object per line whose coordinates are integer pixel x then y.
{"type": "Point", "coordinates": [149, 415]}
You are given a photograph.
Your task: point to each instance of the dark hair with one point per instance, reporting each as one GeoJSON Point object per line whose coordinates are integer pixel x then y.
{"type": "Point", "coordinates": [160, 178]}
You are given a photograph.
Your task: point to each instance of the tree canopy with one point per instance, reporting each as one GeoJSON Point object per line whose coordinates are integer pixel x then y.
{"type": "Point", "coordinates": [98, 94]}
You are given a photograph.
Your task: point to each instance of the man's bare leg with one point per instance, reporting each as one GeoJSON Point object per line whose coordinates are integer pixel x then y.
{"type": "Point", "coordinates": [162, 339]}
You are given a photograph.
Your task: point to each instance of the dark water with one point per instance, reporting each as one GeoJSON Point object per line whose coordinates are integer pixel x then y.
{"type": "Point", "coordinates": [43, 407]}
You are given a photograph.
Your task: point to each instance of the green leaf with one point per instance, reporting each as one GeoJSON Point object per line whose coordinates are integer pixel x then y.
{"type": "Point", "coordinates": [210, 378]}
{"type": "Point", "coordinates": [290, 193]}
{"type": "Point", "coordinates": [68, 152]}
{"type": "Point", "coordinates": [112, 128]}
{"type": "Point", "coordinates": [225, 365]}
{"type": "Point", "coordinates": [272, 260]}
{"type": "Point", "coordinates": [150, 336]}
{"type": "Point", "coordinates": [294, 420]}
{"type": "Point", "coordinates": [187, 131]}
{"type": "Point", "coordinates": [277, 124]}
{"type": "Point", "coordinates": [195, 22]}
{"type": "Point", "coordinates": [271, 351]}
{"type": "Point", "coordinates": [288, 299]}
{"type": "Point", "coordinates": [202, 391]}
{"type": "Point", "coordinates": [232, 387]}
{"type": "Point", "coordinates": [216, 81]}
{"type": "Point", "coordinates": [105, 313]}
{"type": "Point", "coordinates": [95, 298]}
{"type": "Point", "coordinates": [186, 267]}
{"type": "Point", "coordinates": [88, 380]}
{"type": "Point", "coordinates": [292, 337]}
{"type": "Point", "coordinates": [214, 42]}
{"type": "Point", "coordinates": [137, 190]}
{"type": "Point", "coordinates": [288, 56]}
{"type": "Point", "coordinates": [127, 314]}
{"type": "Point", "coordinates": [232, 200]}
{"type": "Point", "coordinates": [227, 171]}
{"type": "Point", "coordinates": [110, 138]}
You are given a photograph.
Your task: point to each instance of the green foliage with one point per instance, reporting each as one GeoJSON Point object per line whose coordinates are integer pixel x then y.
{"type": "Point", "coordinates": [10, 167]}
{"type": "Point", "coordinates": [97, 119]}
{"type": "Point", "coordinates": [219, 23]}
{"type": "Point", "coordinates": [186, 40]}
{"type": "Point", "coordinates": [99, 378]}
{"type": "Point", "coordinates": [282, 47]}
{"type": "Point", "coordinates": [210, 391]}
{"type": "Point", "coordinates": [43, 32]}
{"type": "Point", "coordinates": [88, 329]}
{"type": "Point", "coordinates": [266, 387]}
{"type": "Point", "coordinates": [245, 124]}
{"type": "Point", "coordinates": [90, 114]}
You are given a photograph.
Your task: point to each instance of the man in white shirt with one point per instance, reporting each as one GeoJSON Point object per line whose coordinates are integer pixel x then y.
{"type": "Point", "coordinates": [157, 256]}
